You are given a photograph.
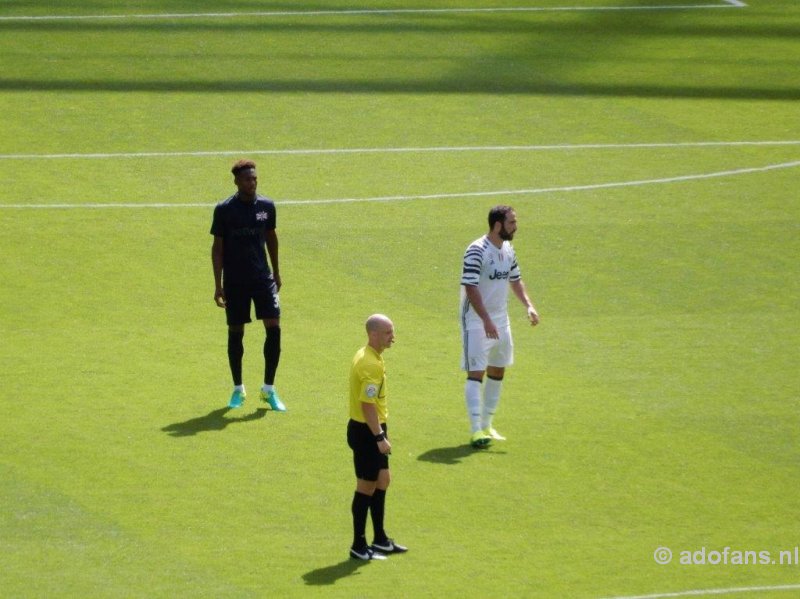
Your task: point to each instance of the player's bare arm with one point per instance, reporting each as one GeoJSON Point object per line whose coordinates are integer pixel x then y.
{"type": "Point", "coordinates": [271, 239]}
{"type": "Point", "coordinates": [371, 416]}
{"type": "Point", "coordinates": [518, 287]}
{"type": "Point", "coordinates": [475, 299]}
{"type": "Point", "coordinates": [216, 263]}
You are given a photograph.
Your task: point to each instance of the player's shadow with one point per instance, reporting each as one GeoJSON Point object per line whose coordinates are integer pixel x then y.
{"type": "Point", "coordinates": [454, 455]}
{"type": "Point", "coordinates": [330, 574]}
{"type": "Point", "coordinates": [213, 421]}
{"type": "Point", "coordinates": [449, 455]}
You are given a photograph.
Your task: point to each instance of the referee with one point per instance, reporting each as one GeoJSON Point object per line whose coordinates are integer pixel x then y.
{"type": "Point", "coordinates": [367, 437]}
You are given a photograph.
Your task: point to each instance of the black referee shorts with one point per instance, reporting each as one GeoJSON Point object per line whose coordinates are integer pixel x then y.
{"type": "Point", "coordinates": [367, 458]}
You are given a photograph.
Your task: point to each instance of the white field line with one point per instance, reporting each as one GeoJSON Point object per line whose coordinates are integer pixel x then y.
{"type": "Point", "coordinates": [312, 151]}
{"type": "Point", "coordinates": [439, 196]}
{"type": "Point", "coordinates": [709, 592]}
{"type": "Point", "coordinates": [371, 11]}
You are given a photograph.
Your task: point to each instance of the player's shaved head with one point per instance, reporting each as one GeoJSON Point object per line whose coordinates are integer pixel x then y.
{"type": "Point", "coordinates": [377, 321]}
{"type": "Point", "coordinates": [380, 332]}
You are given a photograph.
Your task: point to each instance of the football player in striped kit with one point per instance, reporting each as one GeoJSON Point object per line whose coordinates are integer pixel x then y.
{"type": "Point", "coordinates": [490, 268]}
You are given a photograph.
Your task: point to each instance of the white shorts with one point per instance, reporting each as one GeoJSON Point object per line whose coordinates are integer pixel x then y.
{"type": "Point", "coordinates": [479, 351]}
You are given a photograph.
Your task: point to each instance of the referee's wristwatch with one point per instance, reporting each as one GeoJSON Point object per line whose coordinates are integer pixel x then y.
{"type": "Point", "coordinates": [380, 437]}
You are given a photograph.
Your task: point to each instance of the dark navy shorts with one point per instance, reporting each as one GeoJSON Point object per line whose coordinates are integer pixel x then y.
{"type": "Point", "coordinates": [367, 458]}
{"type": "Point", "coordinates": [238, 300]}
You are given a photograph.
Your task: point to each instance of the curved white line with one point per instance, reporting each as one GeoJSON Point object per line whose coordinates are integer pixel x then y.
{"type": "Point", "coordinates": [708, 592]}
{"type": "Point", "coordinates": [441, 196]}
{"type": "Point", "coordinates": [406, 150]}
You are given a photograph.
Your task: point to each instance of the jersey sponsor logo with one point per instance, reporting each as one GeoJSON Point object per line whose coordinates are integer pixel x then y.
{"type": "Point", "coordinates": [262, 215]}
{"type": "Point", "coordinates": [371, 391]}
{"type": "Point", "coordinates": [245, 232]}
{"type": "Point", "coordinates": [499, 274]}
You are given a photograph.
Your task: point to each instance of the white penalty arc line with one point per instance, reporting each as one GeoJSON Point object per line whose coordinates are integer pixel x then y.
{"type": "Point", "coordinates": [440, 196]}
{"type": "Point", "coordinates": [568, 188]}
{"type": "Point", "coordinates": [407, 150]}
{"type": "Point", "coordinates": [372, 11]}
{"type": "Point", "coordinates": [709, 592]}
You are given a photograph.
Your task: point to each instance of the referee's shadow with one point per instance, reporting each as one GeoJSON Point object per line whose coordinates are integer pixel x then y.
{"type": "Point", "coordinates": [330, 574]}
{"type": "Point", "coordinates": [454, 455]}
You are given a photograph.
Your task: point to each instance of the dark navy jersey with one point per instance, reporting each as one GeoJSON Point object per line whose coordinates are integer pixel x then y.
{"type": "Point", "coordinates": [242, 226]}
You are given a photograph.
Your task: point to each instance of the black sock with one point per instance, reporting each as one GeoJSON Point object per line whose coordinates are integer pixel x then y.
{"type": "Point", "coordinates": [360, 508]}
{"type": "Point", "coordinates": [235, 353]}
{"type": "Point", "coordinates": [376, 510]}
{"type": "Point", "coordinates": [272, 354]}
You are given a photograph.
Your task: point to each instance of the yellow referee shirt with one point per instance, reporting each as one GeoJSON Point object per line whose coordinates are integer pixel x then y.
{"type": "Point", "coordinates": [367, 384]}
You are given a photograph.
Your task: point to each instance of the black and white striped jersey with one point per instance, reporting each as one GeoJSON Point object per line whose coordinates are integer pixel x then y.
{"type": "Point", "coordinates": [490, 269]}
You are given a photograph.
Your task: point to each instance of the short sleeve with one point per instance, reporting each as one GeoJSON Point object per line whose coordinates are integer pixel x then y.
{"type": "Point", "coordinates": [514, 273]}
{"type": "Point", "coordinates": [217, 226]}
{"type": "Point", "coordinates": [371, 382]}
{"type": "Point", "coordinates": [473, 262]}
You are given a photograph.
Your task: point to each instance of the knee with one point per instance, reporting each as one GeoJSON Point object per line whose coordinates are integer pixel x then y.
{"type": "Point", "coordinates": [496, 373]}
{"type": "Point", "coordinates": [366, 487]}
{"type": "Point", "coordinates": [475, 375]}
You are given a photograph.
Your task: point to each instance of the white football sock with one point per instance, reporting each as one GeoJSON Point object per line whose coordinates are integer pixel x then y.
{"type": "Point", "coordinates": [491, 397]}
{"type": "Point", "coordinates": [472, 395]}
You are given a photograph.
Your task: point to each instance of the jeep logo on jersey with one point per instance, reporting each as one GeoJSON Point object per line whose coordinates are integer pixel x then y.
{"type": "Point", "coordinates": [262, 216]}
{"type": "Point", "coordinates": [499, 274]}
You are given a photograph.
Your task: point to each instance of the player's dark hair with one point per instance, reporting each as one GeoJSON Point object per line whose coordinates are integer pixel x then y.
{"type": "Point", "coordinates": [498, 214]}
{"type": "Point", "coordinates": [242, 165]}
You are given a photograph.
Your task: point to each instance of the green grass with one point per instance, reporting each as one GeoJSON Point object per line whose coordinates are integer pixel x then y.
{"type": "Point", "coordinates": [656, 404]}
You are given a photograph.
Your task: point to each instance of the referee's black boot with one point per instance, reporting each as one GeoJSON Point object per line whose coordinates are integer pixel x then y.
{"type": "Point", "coordinates": [388, 546]}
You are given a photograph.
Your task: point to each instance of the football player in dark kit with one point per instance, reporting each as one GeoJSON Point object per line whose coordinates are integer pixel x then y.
{"type": "Point", "coordinates": [243, 226]}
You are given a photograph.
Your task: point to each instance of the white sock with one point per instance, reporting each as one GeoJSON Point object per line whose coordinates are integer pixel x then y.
{"type": "Point", "coordinates": [472, 395]}
{"type": "Point", "coordinates": [239, 388]}
{"type": "Point", "coordinates": [491, 397]}
{"type": "Point", "coordinates": [266, 388]}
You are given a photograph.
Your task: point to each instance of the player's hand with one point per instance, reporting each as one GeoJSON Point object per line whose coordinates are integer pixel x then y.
{"type": "Point", "coordinates": [533, 316]}
{"type": "Point", "coordinates": [490, 330]}
{"type": "Point", "coordinates": [385, 447]}
{"type": "Point", "coordinates": [219, 298]}
{"type": "Point", "coordinates": [278, 281]}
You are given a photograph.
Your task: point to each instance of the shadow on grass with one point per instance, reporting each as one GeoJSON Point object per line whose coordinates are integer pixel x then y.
{"type": "Point", "coordinates": [213, 421]}
{"type": "Point", "coordinates": [476, 85]}
{"type": "Point", "coordinates": [452, 455]}
{"type": "Point", "coordinates": [330, 574]}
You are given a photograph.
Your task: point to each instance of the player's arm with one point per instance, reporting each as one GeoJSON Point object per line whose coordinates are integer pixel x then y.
{"type": "Point", "coordinates": [475, 299]}
{"type": "Point", "coordinates": [271, 239]}
{"type": "Point", "coordinates": [371, 416]}
{"type": "Point", "coordinates": [217, 251]}
{"type": "Point", "coordinates": [518, 287]}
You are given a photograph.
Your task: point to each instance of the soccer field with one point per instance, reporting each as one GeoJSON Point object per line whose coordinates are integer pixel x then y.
{"type": "Point", "coordinates": [651, 149]}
